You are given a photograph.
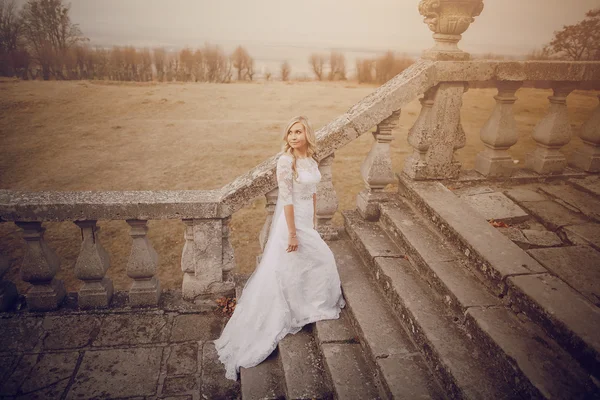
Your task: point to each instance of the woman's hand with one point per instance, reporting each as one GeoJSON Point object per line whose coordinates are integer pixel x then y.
{"type": "Point", "coordinates": [292, 243]}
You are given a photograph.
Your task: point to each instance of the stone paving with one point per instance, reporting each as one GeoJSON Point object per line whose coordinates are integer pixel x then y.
{"type": "Point", "coordinates": [157, 353]}
{"type": "Point", "coordinates": [557, 223]}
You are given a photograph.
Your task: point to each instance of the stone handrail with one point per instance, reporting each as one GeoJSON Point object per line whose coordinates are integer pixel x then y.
{"type": "Point", "coordinates": [207, 259]}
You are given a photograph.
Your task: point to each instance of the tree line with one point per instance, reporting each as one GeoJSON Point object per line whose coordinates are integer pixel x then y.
{"type": "Point", "coordinates": [40, 41]}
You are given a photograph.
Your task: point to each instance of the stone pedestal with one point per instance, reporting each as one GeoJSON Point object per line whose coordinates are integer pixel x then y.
{"type": "Point", "coordinates": [437, 134]}
{"type": "Point", "coordinates": [141, 266]}
{"type": "Point", "coordinates": [39, 267]}
{"type": "Point", "coordinates": [207, 262]}
{"type": "Point", "coordinates": [91, 266]}
{"type": "Point", "coordinates": [499, 133]}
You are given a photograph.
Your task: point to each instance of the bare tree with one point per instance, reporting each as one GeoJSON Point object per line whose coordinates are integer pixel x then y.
{"type": "Point", "coordinates": [286, 70]}
{"type": "Point", "coordinates": [11, 32]}
{"type": "Point", "coordinates": [49, 33]}
{"type": "Point", "coordinates": [198, 71]}
{"type": "Point", "coordinates": [244, 64]}
{"type": "Point", "coordinates": [159, 62]}
{"type": "Point", "coordinates": [580, 41]}
{"type": "Point", "coordinates": [317, 62]}
{"type": "Point", "coordinates": [337, 66]}
{"type": "Point", "coordinates": [364, 70]}
{"type": "Point", "coordinates": [186, 60]}
{"type": "Point", "coordinates": [217, 64]}
{"type": "Point", "coordinates": [268, 75]}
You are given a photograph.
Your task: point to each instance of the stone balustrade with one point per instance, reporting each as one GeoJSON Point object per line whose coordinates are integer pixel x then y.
{"type": "Point", "coordinates": [207, 256]}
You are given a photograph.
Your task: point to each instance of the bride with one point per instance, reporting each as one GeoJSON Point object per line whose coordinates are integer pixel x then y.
{"type": "Point", "coordinates": [296, 281]}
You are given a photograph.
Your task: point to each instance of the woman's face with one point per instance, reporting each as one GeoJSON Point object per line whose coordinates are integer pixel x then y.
{"type": "Point", "coordinates": [296, 137]}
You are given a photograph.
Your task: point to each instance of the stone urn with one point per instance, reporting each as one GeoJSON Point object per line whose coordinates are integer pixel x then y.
{"type": "Point", "coordinates": [448, 19]}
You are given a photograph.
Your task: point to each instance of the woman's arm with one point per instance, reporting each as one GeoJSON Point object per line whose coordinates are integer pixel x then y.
{"type": "Point", "coordinates": [314, 211]}
{"type": "Point", "coordinates": [284, 181]}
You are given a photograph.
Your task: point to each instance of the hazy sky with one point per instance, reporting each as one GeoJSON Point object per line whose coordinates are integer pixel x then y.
{"type": "Point", "coordinates": [505, 26]}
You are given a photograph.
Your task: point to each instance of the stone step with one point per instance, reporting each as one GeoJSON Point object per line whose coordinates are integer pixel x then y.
{"type": "Point", "coordinates": [264, 381]}
{"type": "Point", "coordinates": [345, 361]}
{"type": "Point", "coordinates": [566, 315]}
{"type": "Point", "coordinates": [516, 345]}
{"type": "Point", "coordinates": [437, 261]}
{"type": "Point", "coordinates": [459, 363]}
{"type": "Point", "coordinates": [398, 365]}
{"type": "Point", "coordinates": [303, 369]}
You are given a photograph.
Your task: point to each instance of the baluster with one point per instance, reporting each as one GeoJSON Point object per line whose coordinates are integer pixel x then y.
{"type": "Point", "coordinates": [207, 261]}
{"type": "Point", "coordinates": [327, 202]}
{"type": "Point", "coordinates": [8, 290]}
{"type": "Point", "coordinates": [91, 266]}
{"type": "Point", "coordinates": [264, 232]}
{"type": "Point", "coordinates": [437, 134]}
{"type": "Point", "coordinates": [499, 133]}
{"type": "Point", "coordinates": [587, 157]}
{"type": "Point", "coordinates": [141, 266]}
{"type": "Point", "coordinates": [376, 170]}
{"type": "Point", "coordinates": [419, 138]}
{"type": "Point", "coordinates": [551, 133]}
{"type": "Point", "coordinates": [39, 267]}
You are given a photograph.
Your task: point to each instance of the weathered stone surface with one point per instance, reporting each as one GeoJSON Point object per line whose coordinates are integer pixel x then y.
{"type": "Point", "coordinates": [542, 238]}
{"type": "Point", "coordinates": [214, 383]}
{"type": "Point", "coordinates": [180, 384]}
{"type": "Point", "coordinates": [576, 265]}
{"type": "Point", "coordinates": [96, 205]}
{"type": "Point", "coordinates": [183, 359]}
{"type": "Point", "coordinates": [583, 202]}
{"type": "Point", "coordinates": [496, 206]}
{"type": "Point", "coordinates": [196, 327]}
{"type": "Point", "coordinates": [471, 233]}
{"type": "Point", "coordinates": [303, 367]}
{"type": "Point", "coordinates": [552, 214]}
{"type": "Point", "coordinates": [463, 367]}
{"type": "Point", "coordinates": [349, 372]}
{"type": "Point", "coordinates": [471, 190]}
{"type": "Point", "coordinates": [588, 234]}
{"type": "Point", "coordinates": [128, 329]}
{"type": "Point", "coordinates": [410, 232]}
{"type": "Point", "coordinates": [572, 320]}
{"type": "Point", "coordinates": [437, 261]}
{"type": "Point", "coordinates": [335, 330]}
{"type": "Point", "coordinates": [590, 184]}
{"type": "Point", "coordinates": [521, 343]}
{"type": "Point", "coordinates": [523, 194]}
{"type": "Point", "coordinates": [19, 334]}
{"type": "Point", "coordinates": [117, 373]}
{"type": "Point", "coordinates": [516, 236]}
{"type": "Point", "coordinates": [263, 381]}
{"type": "Point", "coordinates": [7, 365]}
{"type": "Point", "coordinates": [69, 331]}
{"type": "Point", "coordinates": [379, 330]}
{"type": "Point", "coordinates": [41, 376]}
{"type": "Point", "coordinates": [370, 237]}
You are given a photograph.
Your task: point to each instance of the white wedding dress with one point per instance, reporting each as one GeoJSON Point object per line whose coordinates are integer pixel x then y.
{"type": "Point", "coordinates": [286, 290]}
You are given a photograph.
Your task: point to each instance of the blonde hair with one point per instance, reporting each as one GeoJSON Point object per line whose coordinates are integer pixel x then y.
{"type": "Point", "coordinates": [311, 139]}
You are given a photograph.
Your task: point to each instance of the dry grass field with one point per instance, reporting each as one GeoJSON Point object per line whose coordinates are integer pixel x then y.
{"type": "Point", "coordinates": [83, 135]}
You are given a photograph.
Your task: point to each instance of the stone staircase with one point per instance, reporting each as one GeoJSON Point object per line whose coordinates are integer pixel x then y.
{"type": "Point", "coordinates": [434, 311]}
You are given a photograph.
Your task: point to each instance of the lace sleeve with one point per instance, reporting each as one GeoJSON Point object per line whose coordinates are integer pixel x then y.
{"type": "Point", "coordinates": [284, 179]}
